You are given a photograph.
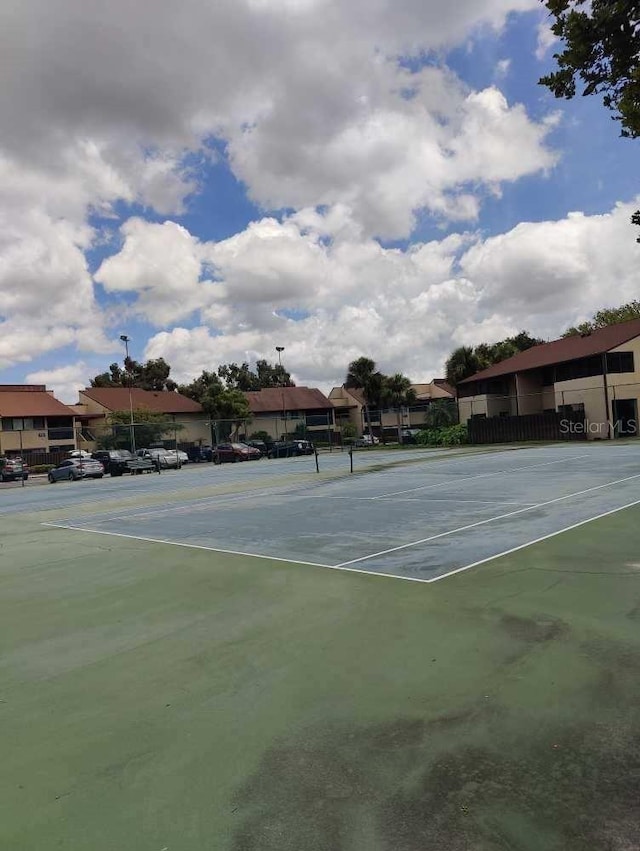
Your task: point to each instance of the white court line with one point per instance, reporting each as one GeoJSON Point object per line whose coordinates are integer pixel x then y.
{"type": "Point", "coordinates": [181, 544]}
{"type": "Point", "coordinates": [416, 499]}
{"type": "Point", "coordinates": [535, 541]}
{"type": "Point", "coordinates": [484, 522]}
{"type": "Point", "coordinates": [482, 476]}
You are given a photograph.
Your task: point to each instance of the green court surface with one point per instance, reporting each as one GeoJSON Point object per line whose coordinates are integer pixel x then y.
{"type": "Point", "coordinates": [163, 697]}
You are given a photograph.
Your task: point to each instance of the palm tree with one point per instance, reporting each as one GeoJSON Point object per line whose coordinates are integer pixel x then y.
{"type": "Point", "coordinates": [362, 375]}
{"type": "Point", "coordinates": [399, 393]}
{"type": "Point", "coordinates": [461, 363]}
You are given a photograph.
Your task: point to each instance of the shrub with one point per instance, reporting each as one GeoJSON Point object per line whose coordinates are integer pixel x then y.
{"type": "Point", "coordinates": [453, 435]}
{"type": "Point", "coordinates": [41, 468]}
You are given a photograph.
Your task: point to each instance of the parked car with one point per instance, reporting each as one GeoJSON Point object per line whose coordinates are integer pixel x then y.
{"type": "Point", "coordinates": [166, 458]}
{"type": "Point", "coordinates": [76, 468]}
{"type": "Point", "coordinates": [200, 453]}
{"type": "Point", "coordinates": [289, 448]}
{"type": "Point", "coordinates": [232, 452]}
{"type": "Point", "coordinates": [119, 461]}
{"type": "Point", "coordinates": [367, 440]}
{"type": "Point", "coordinates": [183, 458]}
{"type": "Point", "coordinates": [12, 469]}
{"type": "Point", "coordinates": [260, 445]}
{"type": "Point", "coordinates": [79, 453]}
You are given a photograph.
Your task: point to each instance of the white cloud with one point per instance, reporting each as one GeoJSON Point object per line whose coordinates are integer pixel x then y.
{"type": "Point", "coordinates": [308, 95]}
{"type": "Point", "coordinates": [161, 263]}
{"type": "Point", "coordinates": [545, 40]}
{"type": "Point", "coordinates": [502, 68]}
{"type": "Point", "coordinates": [406, 309]}
{"type": "Point", "coordinates": [65, 381]}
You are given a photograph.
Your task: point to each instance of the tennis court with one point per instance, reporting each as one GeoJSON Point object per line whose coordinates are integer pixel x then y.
{"type": "Point", "coordinates": [184, 695]}
{"type": "Point", "coordinates": [408, 515]}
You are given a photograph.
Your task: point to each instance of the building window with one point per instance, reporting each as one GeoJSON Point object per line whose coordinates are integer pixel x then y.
{"type": "Point", "coordinates": [582, 368]}
{"type": "Point", "coordinates": [22, 423]}
{"type": "Point", "coordinates": [620, 362]}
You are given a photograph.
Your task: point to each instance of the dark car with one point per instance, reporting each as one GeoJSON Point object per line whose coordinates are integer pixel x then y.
{"type": "Point", "coordinates": [232, 452]}
{"type": "Point", "coordinates": [290, 448]}
{"type": "Point", "coordinates": [12, 469]}
{"type": "Point", "coordinates": [76, 468]}
{"type": "Point", "coordinates": [260, 445]}
{"type": "Point", "coordinates": [115, 461]}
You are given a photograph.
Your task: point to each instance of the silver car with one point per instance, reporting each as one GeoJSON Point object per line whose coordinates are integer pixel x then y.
{"type": "Point", "coordinates": [165, 458]}
{"type": "Point", "coordinates": [76, 468]}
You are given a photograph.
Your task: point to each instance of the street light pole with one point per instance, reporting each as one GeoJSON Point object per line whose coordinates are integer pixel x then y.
{"type": "Point", "coordinates": [132, 432]}
{"type": "Point", "coordinates": [279, 350]}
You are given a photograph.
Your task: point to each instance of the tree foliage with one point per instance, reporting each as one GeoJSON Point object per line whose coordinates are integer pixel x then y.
{"type": "Point", "coordinates": [467, 360]}
{"type": "Point", "coordinates": [602, 50]}
{"type": "Point", "coordinates": [606, 316]}
{"type": "Point", "coordinates": [152, 375]}
{"type": "Point", "coordinates": [379, 390]}
{"type": "Point", "coordinates": [241, 377]}
{"type": "Point", "coordinates": [150, 427]}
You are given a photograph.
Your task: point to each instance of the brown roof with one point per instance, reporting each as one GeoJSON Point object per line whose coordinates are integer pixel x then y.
{"type": "Point", "coordinates": [560, 351]}
{"type": "Point", "coordinates": [162, 401]}
{"type": "Point", "coordinates": [30, 401]}
{"type": "Point", "coordinates": [275, 399]}
{"type": "Point", "coordinates": [444, 384]}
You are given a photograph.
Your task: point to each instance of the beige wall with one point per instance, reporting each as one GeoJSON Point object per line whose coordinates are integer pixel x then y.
{"type": "Point", "coordinates": [589, 392]}
{"type": "Point", "coordinates": [530, 393]}
{"type": "Point", "coordinates": [32, 439]}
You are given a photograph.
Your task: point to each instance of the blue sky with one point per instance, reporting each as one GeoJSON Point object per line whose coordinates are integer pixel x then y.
{"type": "Point", "coordinates": [216, 182]}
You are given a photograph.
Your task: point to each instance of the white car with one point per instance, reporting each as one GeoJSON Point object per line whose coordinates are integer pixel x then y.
{"type": "Point", "coordinates": [370, 440]}
{"type": "Point", "coordinates": [183, 458]}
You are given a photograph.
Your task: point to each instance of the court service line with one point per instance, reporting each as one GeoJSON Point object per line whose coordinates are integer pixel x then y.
{"type": "Point", "coordinates": [535, 541]}
{"type": "Point", "coordinates": [484, 522]}
{"type": "Point", "coordinates": [417, 499]}
{"type": "Point", "coordinates": [184, 545]}
{"type": "Point", "coordinates": [483, 476]}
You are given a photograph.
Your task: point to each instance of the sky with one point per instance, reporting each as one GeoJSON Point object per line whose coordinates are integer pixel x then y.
{"type": "Point", "coordinates": [373, 177]}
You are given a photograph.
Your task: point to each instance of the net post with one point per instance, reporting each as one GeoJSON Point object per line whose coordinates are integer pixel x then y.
{"type": "Point", "coordinates": [351, 458]}
{"type": "Point", "coordinates": [317, 465]}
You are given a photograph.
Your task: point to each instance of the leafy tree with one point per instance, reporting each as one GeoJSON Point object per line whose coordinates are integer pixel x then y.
{"type": "Point", "coordinates": [348, 431]}
{"type": "Point", "coordinates": [220, 403]}
{"type": "Point", "coordinates": [272, 375]}
{"type": "Point", "coordinates": [241, 377]}
{"type": "Point", "coordinates": [150, 427]}
{"type": "Point", "coordinates": [238, 377]}
{"type": "Point", "coordinates": [462, 363]}
{"type": "Point", "coordinates": [152, 375]}
{"type": "Point", "coordinates": [441, 413]}
{"type": "Point", "coordinates": [207, 382]}
{"type": "Point", "coordinates": [398, 392]}
{"type": "Point", "coordinates": [606, 316]}
{"type": "Point", "coordinates": [362, 375]}
{"type": "Point", "coordinates": [113, 378]}
{"type": "Point", "coordinates": [379, 390]}
{"type": "Point", "coordinates": [466, 360]}
{"type": "Point", "coordinates": [602, 50]}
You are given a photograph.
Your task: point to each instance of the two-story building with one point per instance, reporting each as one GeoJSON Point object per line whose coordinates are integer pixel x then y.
{"type": "Point", "coordinates": [34, 421]}
{"type": "Point", "coordinates": [596, 375]}
{"type": "Point", "coordinates": [350, 404]}
{"type": "Point", "coordinates": [280, 411]}
{"type": "Point", "coordinates": [96, 404]}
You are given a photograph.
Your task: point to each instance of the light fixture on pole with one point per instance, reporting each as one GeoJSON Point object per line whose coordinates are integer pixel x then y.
{"type": "Point", "coordinates": [279, 350]}
{"type": "Point", "coordinates": [132, 432]}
